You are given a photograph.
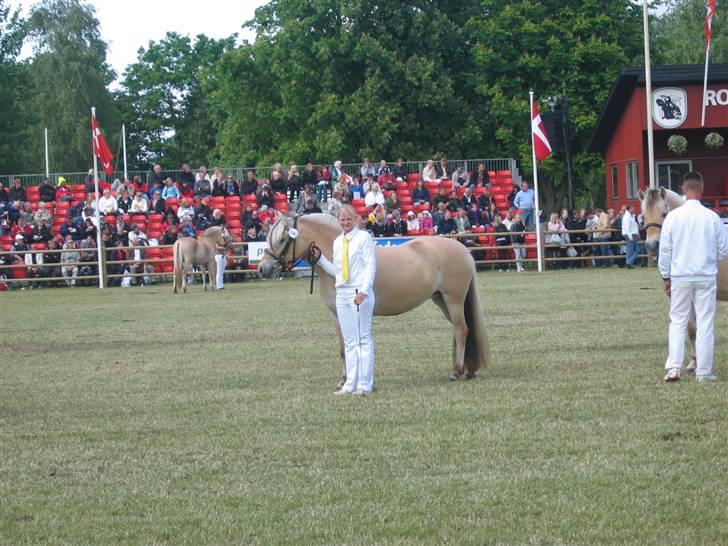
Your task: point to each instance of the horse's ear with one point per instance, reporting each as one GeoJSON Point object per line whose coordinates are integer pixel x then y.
{"type": "Point", "coordinates": [663, 193]}
{"type": "Point", "coordinates": [641, 194]}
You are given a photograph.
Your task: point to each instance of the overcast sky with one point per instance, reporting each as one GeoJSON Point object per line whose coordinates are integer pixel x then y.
{"type": "Point", "coordinates": [127, 25]}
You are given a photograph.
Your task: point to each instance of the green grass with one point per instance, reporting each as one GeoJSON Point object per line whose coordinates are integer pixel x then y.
{"type": "Point", "coordinates": [137, 417]}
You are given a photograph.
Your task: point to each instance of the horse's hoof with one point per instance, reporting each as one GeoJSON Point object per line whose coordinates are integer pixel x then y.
{"type": "Point", "coordinates": [470, 375]}
{"type": "Point", "coordinates": [453, 377]}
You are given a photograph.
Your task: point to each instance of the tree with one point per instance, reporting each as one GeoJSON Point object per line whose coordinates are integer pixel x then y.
{"type": "Point", "coordinates": [69, 75]}
{"type": "Point", "coordinates": [167, 113]}
{"type": "Point", "coordinates": [574, 48]}
{"type": "Point", "coordinates": [329, 80]}
{"type": "Point", "coordinates": [14, 77]}
{"type": "Point", "coordinates": [679, 35]}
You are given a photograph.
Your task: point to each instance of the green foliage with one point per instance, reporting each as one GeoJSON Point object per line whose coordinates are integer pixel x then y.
{"type": "Point", "coordinates": [69, 75]}
{"type": "Point", "coordinates": [679, 35]}
{"type": "Point", "coordinates": [163, 103]}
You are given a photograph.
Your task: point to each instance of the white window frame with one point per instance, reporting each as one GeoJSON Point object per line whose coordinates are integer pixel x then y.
{"type": "Point", "coordinates": [688, 162]}
{"type": "Point", "coordinates": [632, 179]}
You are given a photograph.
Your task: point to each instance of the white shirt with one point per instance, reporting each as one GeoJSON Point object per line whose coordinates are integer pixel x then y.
{"type": "Point", "coordinates": [692, 242]}
{"type": "Point", "coordinates": [629, 226]}
{"type": "Point", "coordinates": [139, 205]}
{"type": "Point", "coordinates": [107, 204]}
{"type": "Point", "coordinates": [374, 198]}
{"type": "Point", "coordinates": [362, 261]}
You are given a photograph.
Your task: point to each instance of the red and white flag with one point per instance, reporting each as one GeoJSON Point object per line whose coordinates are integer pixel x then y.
{"type": "Point", "coordinates": [541, 145]}
{"type": "Point", "coordinates": [709, 22]}
{"type": "Point", "coordinates": [101, 148]}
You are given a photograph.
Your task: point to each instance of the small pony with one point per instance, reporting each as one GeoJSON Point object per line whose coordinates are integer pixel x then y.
{"type": "Point", "coordinates": [201, 251]}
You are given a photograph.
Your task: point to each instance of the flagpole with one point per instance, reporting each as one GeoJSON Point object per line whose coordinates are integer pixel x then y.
{"type": "Point", "coordinates": [47, 166]}
{"type": "Point", "coordinates": [98, 218]}
{"type": "Point", "coordinates": [123, 140]}
{"type": "Point", "coordinates": [705, 85]}
{"type": "Point", "coordinates": [537, 210]}
{"type": "Point", "coordinates": [648, 97]}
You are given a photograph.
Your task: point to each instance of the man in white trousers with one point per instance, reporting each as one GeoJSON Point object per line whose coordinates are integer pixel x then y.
{"type": "Point", "coordinates": [354, 268]}
{"type": "Point", "coordinates": [221, 262]}
{"type": "Point", "coordinates": [692, 242]}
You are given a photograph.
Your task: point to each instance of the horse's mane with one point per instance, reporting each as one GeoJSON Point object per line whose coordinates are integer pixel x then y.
{"type": "Point", "coordinates": [211, 230]}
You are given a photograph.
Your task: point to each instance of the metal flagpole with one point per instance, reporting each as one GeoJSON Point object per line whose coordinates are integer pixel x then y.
{"type": "Point", "coordinates": [705, 85]}
{"type": "Point", "coordinates": [48, 169]}
{"type": "Point", "coordinates": [123, 140]}
{"type": "Point", "coordinates": [648, 97]}
{"type": "Point", "coordinates": [96, 187]}
{"type": "Point", "coordinates": [537, 211]}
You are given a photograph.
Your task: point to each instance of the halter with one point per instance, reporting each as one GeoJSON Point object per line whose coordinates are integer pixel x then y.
{"type": "Point", "coordinates": [653, 225]}
{"type": "Point", "coordinates": [286, 265]}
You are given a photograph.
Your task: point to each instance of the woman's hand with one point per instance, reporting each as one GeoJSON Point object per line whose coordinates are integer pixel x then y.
{"type": "Point", "coordinates": [359, 298]}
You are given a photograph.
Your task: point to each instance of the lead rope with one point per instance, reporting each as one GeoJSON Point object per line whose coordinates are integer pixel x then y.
{"type": "Point", "coordinates": [312, 260]}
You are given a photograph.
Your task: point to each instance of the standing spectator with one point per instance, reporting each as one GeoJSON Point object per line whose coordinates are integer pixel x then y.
{"type": "Point", "coordinates": [443, 169]}
{"type": "Point", "coordinates": [511, 197]}
{"type": "Point", "coordinates": [277, 182]}
{"type": "Point", "coordinates": [554, 239]}
{"type": "Point", "coordinates": [518, 239]}
{"type": "Point", "coordinates": [334, 204]}
{"type": "Point", "coordinates": [429, 173]}
{"type": "Point", "coordinates": [294, 183]}
{"type": "Point", "coordinates": [692, 242]}
{"type": "Point", "coordinates": [526, 201]}
{"type": "Point", "coordinates": [383, 170]}
{"type": "Point", "coordinates": [603, 236]}
{"type": "Point", "coordinates": [323, 183]}
{"type": "Point", "coordinates": [187, 176]}
{"type": "Point", "coordinates": [156, 177]}
{"type": "Point", "coordinates": [502, 240]}
{"type": "Point", "coordinates": [367, 169]}
{"type": "Point", "coordinates": [479, 178]}
{"type": "Point", "coordinates": [47, 191]}
{"type": "Point", "coordinates": [336, 171]}
{"type": "Point", "coordinates": [17, 192]}
{"type": "Point", "coordinates": [309, 176]}
{"type": "Point", "coordinates": [578, 223]}
{"type": "Point", "coordinates": [420, 194]}
{"type": "Point", "coordinates": [170, 191]}
{"type": "Point", "coordinates": [70, 258]}
{"type": "Point", "coordinates": [631, 235]}
{"type": "Point", "coordinates": [250, 185]}
{"type": "Point", "coordinates": [399, 170]}
{"type": "Point", "coordinates": [306, 196]}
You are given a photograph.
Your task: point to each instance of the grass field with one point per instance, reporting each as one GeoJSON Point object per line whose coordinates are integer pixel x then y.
{"type": "Point", "coordinates": [135, 417]}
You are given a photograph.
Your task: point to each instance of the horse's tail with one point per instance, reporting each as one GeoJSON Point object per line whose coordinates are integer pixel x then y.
{"type": "Point", "coordinates": [477, 354]}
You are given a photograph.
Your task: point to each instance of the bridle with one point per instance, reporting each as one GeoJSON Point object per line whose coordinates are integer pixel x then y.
{"type": "Point", "coordinates": [655, 224]}
{"type": "Point", "coordinates": [285, 265]}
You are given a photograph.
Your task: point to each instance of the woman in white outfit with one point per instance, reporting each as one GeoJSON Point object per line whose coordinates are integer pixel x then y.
{"type": "Point", "coordinates": [354, 268]}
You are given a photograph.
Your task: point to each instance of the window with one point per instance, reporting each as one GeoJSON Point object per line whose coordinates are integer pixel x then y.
{"type": "Point", "coordinates": [670, 174]}
{"type": "Point", "coordinates": [633, 179]}
{"type": "Point", "coordinates": [614, 181]}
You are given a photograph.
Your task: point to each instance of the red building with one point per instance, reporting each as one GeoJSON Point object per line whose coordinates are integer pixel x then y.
{"type": "Point", "coordinates": [621, 133]}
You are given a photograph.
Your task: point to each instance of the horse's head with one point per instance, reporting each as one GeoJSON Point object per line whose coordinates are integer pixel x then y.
{"type": "Point", "coordinates": [282, 249]}
{"type": "Point", "coordinates": [224, 238]}
{"type": "Point", "coordinates": [654, 209]}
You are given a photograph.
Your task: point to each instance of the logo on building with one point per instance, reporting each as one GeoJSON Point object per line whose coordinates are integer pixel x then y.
{"type": "Point", "coordinates": [669, 107]}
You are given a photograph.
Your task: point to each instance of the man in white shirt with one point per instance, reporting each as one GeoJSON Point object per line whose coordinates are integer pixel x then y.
{"type": "Point", "coordinates": [108, 203]}
{"type": "Point", "coordinates": [631, 235]}
{"type": "Point", "coordinates": [692, 242]}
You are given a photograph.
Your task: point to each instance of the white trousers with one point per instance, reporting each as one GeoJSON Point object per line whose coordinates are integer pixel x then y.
{"type": "Point", "coordinates": [356, 328]}
{"type": "Point", "coordinates": [221, 261]}
{"type": "Point", "coordinates": [685, 295]}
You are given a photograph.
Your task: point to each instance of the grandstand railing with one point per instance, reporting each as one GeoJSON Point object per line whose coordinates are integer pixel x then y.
{"type": "Point", "coordinates": [491, 164]}
{"type": "Point", "coordinates": [482, 245]}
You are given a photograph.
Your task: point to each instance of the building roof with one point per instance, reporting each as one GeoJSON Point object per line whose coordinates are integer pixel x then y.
{"type": "Point", "coordinates": [630, 78]}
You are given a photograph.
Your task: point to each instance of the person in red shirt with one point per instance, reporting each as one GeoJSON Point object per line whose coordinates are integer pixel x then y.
{"type": "Point", "coordinates": [63, 193]}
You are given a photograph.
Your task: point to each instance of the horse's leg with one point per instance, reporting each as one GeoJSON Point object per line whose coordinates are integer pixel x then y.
{"type": "Point", "coordinates": [456, 312]}
{"type": "Point", "coordinates": [184, 269]}
{"type": "Point", "coordinates": [341, 352]}
{"type": "Point", "coordinates": [212, 273]}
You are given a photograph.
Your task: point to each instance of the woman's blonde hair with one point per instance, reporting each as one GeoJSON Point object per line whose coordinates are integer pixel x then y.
{"type": "Point", "coordinates": [348, 208]}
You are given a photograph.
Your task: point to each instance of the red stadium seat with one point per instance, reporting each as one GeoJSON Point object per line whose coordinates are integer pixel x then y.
{"type": "Point", "coordinates": [139, 219]}
{"type": "Point", "coordinates": [233, 223]}
{"type": "Point", "coordinates": [503, 174]}
{"type": "Point", "coordinates": [280, 197]}
{"type": "Point", "coordinates": [357, 203]}
{"type": "Point", "coordinates": [281, 206]}
{"type": "Point", "coordinates": [414, 232]}
{"type": "Point", "coordinates": [172, 201]}
{"type": "Point", "coordinates": [156, 217]}
{"type": "Point", "coordinates": [250, 199]}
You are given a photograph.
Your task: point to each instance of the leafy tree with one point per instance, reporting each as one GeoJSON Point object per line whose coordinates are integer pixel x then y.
{"type": "Point", "coordinates": [69, 75]}
{"type": "Point", "coordinates": [13, 75]}
{"type": "Point", "coordinates": [679, 36]}
{"type": "Point", "coordinates": [328, 79]}
{"type": "Point", "coordinates": [557, 47]}
{"type": "Point", "coordinates": [162, 101]}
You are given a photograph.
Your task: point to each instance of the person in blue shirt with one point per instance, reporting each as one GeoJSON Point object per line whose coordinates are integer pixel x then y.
{"type": "Point", "coordinates": [526, 201]}
{"type": "Point", "coordinates": [170, 190]}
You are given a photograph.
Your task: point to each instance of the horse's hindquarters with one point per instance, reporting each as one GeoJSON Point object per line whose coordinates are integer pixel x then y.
{"type": "Point", "coordinates": [723, 280]}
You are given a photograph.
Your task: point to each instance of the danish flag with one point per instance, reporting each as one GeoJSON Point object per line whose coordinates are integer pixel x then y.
{"type": "Point", "coordinates": [541, 144]}
{"type": "Point", "coordinates": [101, 148]}
{"type": "Point", "coordinates": [709, 22]}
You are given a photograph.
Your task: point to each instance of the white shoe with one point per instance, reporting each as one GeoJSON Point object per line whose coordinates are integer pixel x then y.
{"type": "Point", "coordinates": [707, 377]}
{"type": "Point", "coordinates": [361, 392]}
{"type": "Point", "coordinates": [341, 392]}
{"type": "Point", "coordinates": [673, 374]}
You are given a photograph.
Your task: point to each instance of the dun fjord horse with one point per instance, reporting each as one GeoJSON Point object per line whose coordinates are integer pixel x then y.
{"type": "Point", "coordinates": [655, 204]}
{"type": "Point", "coordinates": [407, 275]}
{"type": "Point", "coordinates": [201, 251]}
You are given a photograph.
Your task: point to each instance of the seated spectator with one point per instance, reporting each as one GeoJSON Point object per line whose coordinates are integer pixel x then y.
{"type": "Point", "coordinates": [429, 173]}
{"type": "Point", "coordinates": [455, 202]}
{"type": "Point", "coordinates": [294, 183]}
{"type": "Point", "coordinates": [476, 217]}
{"type": "Point", "coordinates": [187, 176]}
{"type": "Point", "coordinates": [246, 214]}
{"type": "Point", "coordinates": [309, 177]}
{"type": "Point", "coordinates": [27, 214]}
{"type": "Point", "coordinates": [439, 213]}
{"type": "Point", "coordinates": [334, 204]}
{"type": "Point", "coordinates": [170, 220]}
{"type": "Point", "coordinates": [400, 224]}
{"type": "Point", "coordinates": [264, 196]}
{"type": "Point", "coordinates": [217, 176]}
{"type": "Point", "coordinates": [425, 219]}
{"type": "Point", "coordinates": [462, 222]}
{"type": "Point", "coordinates": [367, 169]}
{"type": "Point", "coordinates": [278, 183]}
{"type": "Point", "coordinates": [398, 170]}
{"type": "Point", "coordinates": [468, 199]}
{"type": "Point", "coordinates": [108, 204]}
{"type": "Point", "coordinates": [217, 218]}
{"type": "Point", "coordinates": [137, 237]}
{"type": "Point", "coordinates": [185, 209]}
{"type": "Point", "coordinates": [446, 225]}
{"type": "Point", "coordinates": [232, 189]}
{"type": "Point", "coordinates": [139, 205]}
{"type": "Point", "coordinates": [63, 193]}
{"type": "Point", "coordinates": [265, 213]}
{"type": "Point", "coordinates": [201, 223]}
{"type": "Point", "coordinates": [17, 192]}
{"type": "Point", "coordinates": [460, 177]}
{"type": "Point", "coordinates": [187, 191]}
{"type": "Point", "coordinates": [47, 191]}
{"type": "Point", "coordinates": [250, 184]}
{"type": "Point", "coordinates": [441, 197]}
{"type": "Point", "coordinates": [124, 201]}
{"type": "Point", "coordinates": [41, 232]}
{"type": "Point", "coordinates": [69, 228]}
{"type": "Point", "coordinates": [443, 169]}
{"type": "Point", "coordinates": [479, 177]}
{"type": "Point", "coordinates": [252, 236]}
{"type": "Point", "coordinates": [377, 224]}
{"type": "Point", "coordinates": [116, 254]}
{"type": "Point", "coordinates": [42, 214]}
{"type": "Point", "coordinates": [170, 235]}
{"type": "Point", "coordinates": [323, 182]}
{"type": "Point", "coordinates": [70, 258]}
{"type": "Point", "coordinates": [252, 221]}
{"type": "Point", "coordinates": [88, 229]}
{"type": "Point", "coordinates": [170, 191]}
{"type": "Point", "coordinates": [135, 186]}
{"type": "Point", "coordinates": [485, 200]}
{"type": "Point", "coordinates": [311, 206]}
{"type": "Point", "coordinates": [374, 197]}
{"type": "Point", "coordinates": [265, 229]}
{"type": "Point", "coordinates": [392, 203]}
{"type": "Point", "coordinates": [121, 231]}
{"type": "Point", "coordinates": [420, 194]}
{"type": "Point", "coordinates": [413, 224]}
{"type": "Point", "coordinates": [203, 210]}
{"type": "Point", "coordinates": [307, 195]}
{"type": "Point", "coordinates": [156, 204]}
{"type": "Point", "coordinates": [355, 189]}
